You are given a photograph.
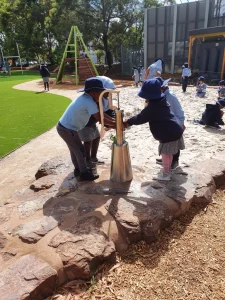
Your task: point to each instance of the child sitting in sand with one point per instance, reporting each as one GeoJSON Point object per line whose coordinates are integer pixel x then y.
{"type": "Point", "coordinates": [212, 116]}
{"type": "Point", "coordinates": [201, 87]}
{"type": "Point", "coordinates": [162, 122]}
{"type": "Point", "coordinates": [221, 89]}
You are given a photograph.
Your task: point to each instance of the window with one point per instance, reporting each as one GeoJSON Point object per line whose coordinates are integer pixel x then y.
{"type": "Point", "coordinates": [219, 8]}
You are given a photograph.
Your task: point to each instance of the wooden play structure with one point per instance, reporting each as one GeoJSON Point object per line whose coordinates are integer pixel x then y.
{"type": "Point", "coordinates": [215, 33]}
{"type": "Point", "coordinates": [76, 55]}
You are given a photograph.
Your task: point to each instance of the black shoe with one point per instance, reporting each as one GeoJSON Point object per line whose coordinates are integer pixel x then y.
{"type": "Point", "coordinates": [174, 165]}
{"type": "Point", "coordinates": [76, 172]}
{"type": "Point", "coordinates": [88, 176]}
{"type": "Point", "coordinates": [159, 161]}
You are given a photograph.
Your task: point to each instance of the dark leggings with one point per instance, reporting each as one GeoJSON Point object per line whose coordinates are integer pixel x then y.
{"type": "Point", "coordinates": [176, 157]}
{"type": "Point", "coordinates": [46, 85]}
{"type": "Point", "coordinates": [91, 148]}
{"type": "Point", "coordinates": [184, 83]}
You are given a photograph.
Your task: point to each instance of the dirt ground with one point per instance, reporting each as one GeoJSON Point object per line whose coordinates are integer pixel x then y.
{"type": "Point", "coordinates": [186, 262]}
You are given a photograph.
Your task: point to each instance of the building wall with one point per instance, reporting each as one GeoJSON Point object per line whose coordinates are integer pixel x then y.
{"type": "Point", "coordinates": [167, 30]}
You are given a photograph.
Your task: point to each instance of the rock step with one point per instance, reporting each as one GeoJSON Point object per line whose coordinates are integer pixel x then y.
{"type": "Point", "coordinates": [84, 228]}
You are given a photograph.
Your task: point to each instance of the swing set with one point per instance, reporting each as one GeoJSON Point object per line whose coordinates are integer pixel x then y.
{"type": "Point", "coordinates": [10, 57]}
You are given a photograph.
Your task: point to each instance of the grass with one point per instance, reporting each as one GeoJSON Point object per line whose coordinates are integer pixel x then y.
{"type": "Point", "coordinates": [25, 115]}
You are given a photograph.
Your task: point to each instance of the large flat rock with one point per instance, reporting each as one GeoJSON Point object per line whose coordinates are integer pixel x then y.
{"type": "Point", "coordinates": [5, 213]}
{"type": "Point", "coordinates": [33, 231]}
{"type": "Point", "coordinates": [53, 166]}
{"type": "Point", "coordinates": [29, 207]}
{"type": "Point", "coordinates": [213, 167]}
{"type": "Point", "coordinates": [187, 185]}
{"type": "Point", "coordinates": [142, 215]}
{"type": "Point", "coordinates": [30, 278]}
{"type": "Point", "coordinates": [83, 247]}
{"type": "Point", "coordinates": [3, 240]}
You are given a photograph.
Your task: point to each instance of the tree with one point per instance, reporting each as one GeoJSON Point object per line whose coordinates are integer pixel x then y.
{"type": "Point", "coordinates": [100, 14]}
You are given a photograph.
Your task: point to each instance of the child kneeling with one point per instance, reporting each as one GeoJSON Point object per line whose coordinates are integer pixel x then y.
{"type": "Point", "coordinates": [212, 116]}
{"type": "Point", "coordinates": [201, 87]}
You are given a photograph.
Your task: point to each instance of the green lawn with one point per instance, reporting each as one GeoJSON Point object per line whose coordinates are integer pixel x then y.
{"type": "Point", "coordinates": [25, 115]}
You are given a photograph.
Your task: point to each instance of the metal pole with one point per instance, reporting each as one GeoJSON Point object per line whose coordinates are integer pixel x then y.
{"type": "Point", "coordinates": [2, 55]}
{"type": "Point", "coordinates": [146, 39]}
{"type": "Point", "coordinates": [174, 38]}
{"type": "Point", "coordinates": [119, 127]}
{"type": "Point", "coordinates": [223, 65]}
{"type": "Point", "coordinates": [19, 57]}
{"type": "Point", "coordinates": [206, 13]}
{"type": "Point", "coordinates": [75, 53]}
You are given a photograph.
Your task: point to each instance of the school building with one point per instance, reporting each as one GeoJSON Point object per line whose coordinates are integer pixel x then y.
{"type": "Point", "coordinates": [192, 31]}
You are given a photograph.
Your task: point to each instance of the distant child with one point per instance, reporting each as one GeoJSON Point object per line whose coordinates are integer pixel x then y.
{"type": "Point", "coordinates": [186, 73]}
{"type": "Point", "coordinates": [4, 69]}
{"type": "Point", "coordinates": [136, 76]}
{"type": "Point", "coordinates": [221, 89]}
{"type": "Point", "coordinates": [212, 116]}
{"type": "Point", "coordinates": [142, 74]}
{"type": "Point", "coordinates": [45, 74]}
{"type": "Point", "coordinates": [8, 67]}
{"type": "Point", "coordinates": [155, 69]}
{"type": "Point", "coordinates": [201, 87]}
{"type": "Point", "coordinates": [162, 122]}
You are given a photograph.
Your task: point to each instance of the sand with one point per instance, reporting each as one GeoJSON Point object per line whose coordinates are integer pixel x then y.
{"type": "Point", "coordinates": [19, 167]}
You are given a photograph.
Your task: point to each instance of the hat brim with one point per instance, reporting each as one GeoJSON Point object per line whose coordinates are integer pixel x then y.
{"type": "Point", "coordinates": [165, 82]}
{"type": "Point", "coordinates": [94, 89]}
{"type": "Point", "coordinates": [146, 95]}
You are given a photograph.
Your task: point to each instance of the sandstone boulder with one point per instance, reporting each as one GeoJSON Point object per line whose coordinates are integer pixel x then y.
{"type": "Point", "coordinates": [142, 218]}
{"type": "Point", "coordinates": [9, 254]}
{"type": "Point", "coordinates": [186, 186]}
{"type": "Point", "coordinates": [33, 231]}
{"type": "Point", "coordinates": [3, 240]}
{"type": "Point", "coordinates": [83, 248]}
{"type": "Point", "coordinates": [44, 183]}
{"type": "Point", "coordinates": [5, 213]}
{"type": "Point", "coordinates": [53, 166]}
{"type": "Point", "coordinates": [30, 278]}
{"type": "Point", "coordinates": [213, 167]}
{"type": "Point", "coordinates": [29, 207]}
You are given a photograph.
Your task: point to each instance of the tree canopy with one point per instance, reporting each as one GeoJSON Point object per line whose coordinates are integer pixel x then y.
{"type": "Point", "coordinates": [41, 27]}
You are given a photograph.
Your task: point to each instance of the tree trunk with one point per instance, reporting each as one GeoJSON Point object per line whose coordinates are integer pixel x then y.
{"type": "Point", "coordinates": [107, 51]}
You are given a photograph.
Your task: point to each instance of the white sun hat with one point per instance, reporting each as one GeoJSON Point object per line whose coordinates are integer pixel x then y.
{"type": "Point", "coordinates": [107, 82]}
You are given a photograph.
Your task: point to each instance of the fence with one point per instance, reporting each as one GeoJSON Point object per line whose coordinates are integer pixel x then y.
{"type": "Point", "coordinates": [131, 57]}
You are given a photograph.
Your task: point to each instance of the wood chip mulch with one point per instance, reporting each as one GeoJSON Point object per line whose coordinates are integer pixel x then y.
{"type": "Point", "coordinates": [186, 262]}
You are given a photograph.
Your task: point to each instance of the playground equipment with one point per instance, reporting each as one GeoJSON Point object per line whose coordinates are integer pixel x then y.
{"type": "Point", "coordinates": [77, 52]}
{"type": "Point", "coordinates": [121, 170]}
{"type": "Point", "coordinates": [10, 57]}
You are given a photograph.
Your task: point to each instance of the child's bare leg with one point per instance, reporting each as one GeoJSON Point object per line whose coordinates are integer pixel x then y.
{"type": "Point", "coordinates": [166, 162]}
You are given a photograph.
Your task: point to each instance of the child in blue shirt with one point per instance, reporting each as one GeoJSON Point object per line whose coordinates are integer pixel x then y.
{"type": "Point", "coordinates": [221, 89]}
{"type": "Point", "coordinates": [136, 76]}
{"type": "Point", "coordinates": [186, 73]}
{"type": "Point", "coordinates": [201, 87]}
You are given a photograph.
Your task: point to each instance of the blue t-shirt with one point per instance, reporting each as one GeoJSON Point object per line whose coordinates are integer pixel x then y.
{"type": "Point", "coordinates": [78, 112]}
{"type": "Point", "coordinates": [221, 90]}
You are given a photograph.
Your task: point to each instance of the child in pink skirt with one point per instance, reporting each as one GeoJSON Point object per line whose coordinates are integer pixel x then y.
{"type": "Point", "coordinates": [162, 122]}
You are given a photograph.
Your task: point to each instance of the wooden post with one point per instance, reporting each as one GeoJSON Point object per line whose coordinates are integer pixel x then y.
{"type": "Point", "coordinates": [223, 65]}
{"type": "Point", "coordinates": [191, 39]}
{"type": "Point", "coordinates": [60, 72]}
{"type": "Point", "coordinates": [75, 54]}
